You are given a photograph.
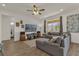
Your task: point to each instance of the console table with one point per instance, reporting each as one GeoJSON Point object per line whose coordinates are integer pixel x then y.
{"type": "Point", "coordinates": [22, 36]}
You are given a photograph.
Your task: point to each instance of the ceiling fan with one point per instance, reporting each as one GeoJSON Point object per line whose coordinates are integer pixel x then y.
{"type": "Point", "coordinates": [36, 10]}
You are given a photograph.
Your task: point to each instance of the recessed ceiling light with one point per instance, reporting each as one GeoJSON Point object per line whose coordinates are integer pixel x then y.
{"type": "Point", "coordinates": [12, 23]}
{"type": "Point", "coordinates": [61, 9]}
{"type": "Point", "coordinates": [3, 5]}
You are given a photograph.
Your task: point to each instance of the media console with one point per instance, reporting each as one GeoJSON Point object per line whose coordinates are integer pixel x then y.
{"type": "Point", "coordinates": [31, 36]}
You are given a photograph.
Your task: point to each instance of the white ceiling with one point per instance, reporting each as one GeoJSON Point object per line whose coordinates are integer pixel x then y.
{"type": "Point", "coordinates": [50, 8]}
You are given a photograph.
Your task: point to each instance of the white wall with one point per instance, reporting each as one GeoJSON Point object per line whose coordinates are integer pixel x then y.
{"type": "Point", "coordinates": [6, 27]}
{"type": "Point", "coordinates": [0, 30]}
{"type": "Point", "coordinates": [26, 20]}
{"type": "Point", "coordinates": [75, 37]}
{"type": "Point", "coordinates": [7, 18]}
{"type": "Point", "coordinates": [42, 25]}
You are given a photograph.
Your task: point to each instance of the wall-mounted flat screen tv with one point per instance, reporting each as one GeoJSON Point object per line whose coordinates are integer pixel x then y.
{"type": "Point", "coordinates": [30, 28]}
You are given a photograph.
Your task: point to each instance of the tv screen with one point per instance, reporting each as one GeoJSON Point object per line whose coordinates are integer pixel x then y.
{"type": "Point", "coordinates": [30, 27]}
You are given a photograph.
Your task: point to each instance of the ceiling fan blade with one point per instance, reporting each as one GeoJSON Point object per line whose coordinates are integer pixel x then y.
{"type": "Point", "coordinates": [32, 14]}
{"type": "Point", "coordinates": [40, 13]}
{"type": "Point", "coordinates": [42, 10]}
{"type": "Point", "coordinates": [34, 6]}
{"type": "Point", "coordinates": [29, 10]}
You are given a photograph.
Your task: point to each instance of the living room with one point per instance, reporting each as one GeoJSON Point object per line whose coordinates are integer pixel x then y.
{"type": "Point", "coordinates": [24, 31]}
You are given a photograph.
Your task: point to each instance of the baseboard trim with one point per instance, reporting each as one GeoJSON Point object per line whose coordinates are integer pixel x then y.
{"type": "Point", "coordinates": [74, 43]}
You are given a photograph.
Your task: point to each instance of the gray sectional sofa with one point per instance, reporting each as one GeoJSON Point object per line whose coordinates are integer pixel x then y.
{"type": "Point", "coordinates": [53, 48]}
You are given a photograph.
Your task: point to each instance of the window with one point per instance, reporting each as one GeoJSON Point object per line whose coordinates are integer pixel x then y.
{"type": "Point", "coordinates": [54, 25]}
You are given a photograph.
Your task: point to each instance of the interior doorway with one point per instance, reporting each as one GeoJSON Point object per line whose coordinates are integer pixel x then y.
{"type": "Point", "coordinates": [12, 31]}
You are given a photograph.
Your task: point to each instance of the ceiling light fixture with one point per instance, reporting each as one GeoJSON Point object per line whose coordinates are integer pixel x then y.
{"type": "Point", "coordinates": [3, 5]}
{"type": "Point", "coordinates": [12, 23]}
{"type": "Point", "coordinates": [36, 10]}
{"type": "Point", "coordinates": [61, 10]}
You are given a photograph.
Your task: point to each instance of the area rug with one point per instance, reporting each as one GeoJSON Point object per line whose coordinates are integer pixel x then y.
{"type": "Point", "coordinates": [31, 43]}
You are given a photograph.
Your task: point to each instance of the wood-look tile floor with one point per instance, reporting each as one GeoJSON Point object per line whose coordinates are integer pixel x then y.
{"type": "Point", "coordinates": [23, 48]}
{"type": "Point", "coordinates": [20, 48]}
{"type": "Point", "coordinates": [74, 50]}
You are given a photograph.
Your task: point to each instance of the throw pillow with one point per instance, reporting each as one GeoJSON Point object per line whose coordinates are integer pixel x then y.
{"type": "Point", "coordinates": [58, 40]}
